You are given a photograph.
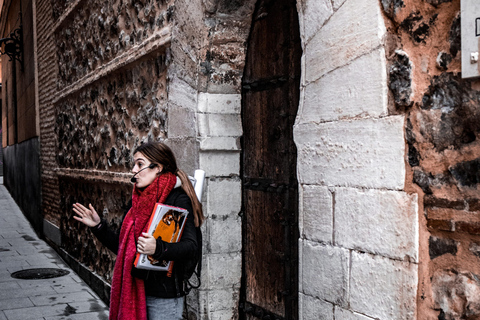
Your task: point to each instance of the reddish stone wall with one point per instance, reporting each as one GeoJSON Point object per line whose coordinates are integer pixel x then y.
{"type": "Point", "coordinates": [109, 196]}
{"type": "Point", "coordinates": [103, 70]}
{"type": "Point", "coordinates": [94, 34]}
{"type": "Point", "coordinates": [442, 131]}
{"type": "Point", "coordinates": [99, 126]}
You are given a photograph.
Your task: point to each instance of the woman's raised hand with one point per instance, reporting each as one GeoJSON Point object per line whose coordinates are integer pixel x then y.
{"type": "Point", "coordinates": [87, 216]}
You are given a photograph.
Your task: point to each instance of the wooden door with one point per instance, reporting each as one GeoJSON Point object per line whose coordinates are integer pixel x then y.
{"type": "Point", "coordinates": [270, 95]}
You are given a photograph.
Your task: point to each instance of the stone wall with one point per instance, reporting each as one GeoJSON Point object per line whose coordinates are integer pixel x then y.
{"type": "Point", "coordinates": [219, 131]}
{"type": "Point", "coordinates": [100, 125]}
{"type": "Point", "coordinates": [386, 135]}
{"type": "Point", "coordinates": [128, 72]}
{"type": "Point", "coordinates": [442, 128]}
{"type": "Point", "coordinates": [359, 253]}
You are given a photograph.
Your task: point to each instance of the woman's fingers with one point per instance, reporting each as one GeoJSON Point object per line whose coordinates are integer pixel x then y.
{"type": "Point", "coordinates": [92, 208]}
{"type": "Point", "coordinates": [79, 207]}
{"type": "Point", "coordinates": [146, 244]}
{"type": "Point", "coordinates": [85, 215]}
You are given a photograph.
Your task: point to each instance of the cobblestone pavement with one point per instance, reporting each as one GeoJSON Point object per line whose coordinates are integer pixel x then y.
{"type": "Point", "coordinates": [61, 298]}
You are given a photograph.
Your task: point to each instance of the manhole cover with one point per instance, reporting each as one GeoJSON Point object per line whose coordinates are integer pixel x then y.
{"type": "Point", "coordinates": [40, 273]}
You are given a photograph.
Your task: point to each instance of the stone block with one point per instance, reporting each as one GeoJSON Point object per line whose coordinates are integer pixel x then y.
{"type": "Point", "coordinates": [222, 164]}
{"type": "Point", "coordinates": [180, 122]}
{"type": "Point", "coordinates": [219, 125]}
{"type": "Point", "coordinates": [217, 300]}
{"type": "Point", "coordinates": [456, 294]}
{"type": "Point", "coordinates": [219, 103]}
{"type": "Point", "coordinates": [344, 93]}
{"type": "Point", "coordinates": [439, 246]}
{"type": "Point", "coordinates": [325, 271]}
{"type": "Point", "coordinates": [342, 314]}
{"type": "Point", "coordinates": [16, 303]}
{"type": "Point", "coordinates": [52, 232]}
{"type": "Point", "coordinates": [68, 297]}
{"type": "Point", "coordinates": [224, 196]}
{"type": "Point", "coordinates": [220, 143]}
{"type": "Point", "coordinates": [186, 153]}
{"type": "Point", "coordinates": [443, 225]}
{"type": "Point", "coordinates": [355, 29]}
{"type": "Point", "coordinates": [377, 221]}
{"type": "Point", "coordinates": [362, 153]}
{"type": "Point", "coordinates": [383, 288]}
{"type": "Point", "coordinates": [181, 93]}
{"type": "Point", "coordinates": [314, 13]}
{"type": "Point", "coordinates": [225, 233]}
{"type": "Point", "coordinates": [468, 227]}
{"type": "Point", "coordinates": [223, 271]}
{"type": "Point", "coordinates": [337, 4]}
{"type": "Point", "coordinates": [474, 248]}
{"type": "Point", "coordinates": [317, 213]}
{"type": "Point", "coordinates": [313, 308]}
{"type": "Point", "coordinates": [220, 314]}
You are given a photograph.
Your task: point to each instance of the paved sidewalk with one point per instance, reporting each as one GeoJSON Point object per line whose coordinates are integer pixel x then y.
{"type": "Point", "coordinates": [66, 297]}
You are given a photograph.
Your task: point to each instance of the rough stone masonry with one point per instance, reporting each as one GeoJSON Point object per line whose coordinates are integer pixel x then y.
{"type": "Point", "coordinates": [442, 131]}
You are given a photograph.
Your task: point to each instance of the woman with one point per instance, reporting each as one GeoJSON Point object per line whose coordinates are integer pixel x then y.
{"type": "Point", "coordinates": [140, 294]}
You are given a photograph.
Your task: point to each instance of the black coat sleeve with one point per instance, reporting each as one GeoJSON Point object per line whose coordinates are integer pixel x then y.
{"type": "Point", "coordinates": [106, 235]}
{"type": "Point", "coordinates": [186, 248]}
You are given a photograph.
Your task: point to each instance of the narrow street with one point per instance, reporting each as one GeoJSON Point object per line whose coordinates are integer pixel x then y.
{"type": "Point", "coordinates": [57, 298]}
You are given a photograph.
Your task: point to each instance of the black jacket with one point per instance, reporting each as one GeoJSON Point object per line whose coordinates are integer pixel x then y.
{"type": "Point", "coordinates": [156, 282]}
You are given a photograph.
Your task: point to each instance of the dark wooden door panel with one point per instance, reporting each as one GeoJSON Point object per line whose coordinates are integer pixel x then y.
{"type": "Point", "coordinates": [270, 95]}
{"type": "Point", "coordinates": [270, 151]}
{"type": "Point", "coordinates": [275, 41]}
{"type": "Point", "coordinates": [265, 254]}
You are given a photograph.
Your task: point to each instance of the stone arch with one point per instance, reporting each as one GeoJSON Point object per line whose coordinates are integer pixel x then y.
{"type": "Point", "coordinates": [351, 153]}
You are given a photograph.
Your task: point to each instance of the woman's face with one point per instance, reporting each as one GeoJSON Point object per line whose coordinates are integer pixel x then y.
{"type": "Point", "coordinates": [148, 175]}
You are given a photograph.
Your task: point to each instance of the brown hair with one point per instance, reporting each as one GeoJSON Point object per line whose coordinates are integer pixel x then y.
{"type": "Point", "coordinates": [159, 153]}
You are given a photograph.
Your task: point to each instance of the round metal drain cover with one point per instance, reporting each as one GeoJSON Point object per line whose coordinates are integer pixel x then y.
{"type": "Point", "coordinates": [40, 273]}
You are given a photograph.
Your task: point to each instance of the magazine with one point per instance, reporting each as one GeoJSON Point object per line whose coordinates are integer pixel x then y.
{"type": "Point", "coordinates": [166, 222]}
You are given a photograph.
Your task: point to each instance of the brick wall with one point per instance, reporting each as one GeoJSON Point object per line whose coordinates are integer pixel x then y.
{"type": "Point", "coordinates": [47, 71]}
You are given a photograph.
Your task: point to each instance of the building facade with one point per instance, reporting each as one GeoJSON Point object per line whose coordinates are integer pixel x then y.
{"type": "Point", "coordinates": [338, 138]}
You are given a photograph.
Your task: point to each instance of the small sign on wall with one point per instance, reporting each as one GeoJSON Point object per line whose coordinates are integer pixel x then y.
{"type": "Point", "coordinates": [470, 17]}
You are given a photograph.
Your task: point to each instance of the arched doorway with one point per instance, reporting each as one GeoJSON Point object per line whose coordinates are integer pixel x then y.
{"type": "Point", "coordinates": [270, 95]}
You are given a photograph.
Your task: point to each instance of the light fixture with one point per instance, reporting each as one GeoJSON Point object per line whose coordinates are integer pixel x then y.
{"type": "Point", "coordinates": [12, 46]}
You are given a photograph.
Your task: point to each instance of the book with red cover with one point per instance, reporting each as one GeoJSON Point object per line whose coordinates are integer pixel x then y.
{"type": "Point", "coordinates": [166, 222]}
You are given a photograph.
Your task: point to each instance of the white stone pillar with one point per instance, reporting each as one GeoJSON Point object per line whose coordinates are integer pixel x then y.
{"type": "Point", "coordinates": [359, 229]}
{"type": "Point", "coordinates": [219, 132]}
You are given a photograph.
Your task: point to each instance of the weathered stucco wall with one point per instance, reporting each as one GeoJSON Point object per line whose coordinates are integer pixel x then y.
{"type": "Point", "coordinates": [442, 130]}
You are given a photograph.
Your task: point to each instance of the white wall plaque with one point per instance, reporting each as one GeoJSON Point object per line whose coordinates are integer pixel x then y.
{"type": "Point", "coordinates": [470, 17]}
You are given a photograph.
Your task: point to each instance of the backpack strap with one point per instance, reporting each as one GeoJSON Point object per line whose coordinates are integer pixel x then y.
{"type": "Point", "coordinates": [197, 272]}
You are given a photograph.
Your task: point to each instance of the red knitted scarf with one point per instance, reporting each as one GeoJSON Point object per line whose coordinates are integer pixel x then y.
{"type": "Point", "coordinates": [127, 299]}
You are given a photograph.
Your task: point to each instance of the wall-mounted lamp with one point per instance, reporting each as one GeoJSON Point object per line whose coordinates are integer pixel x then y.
{"type": "Point", "coordinates": [12, 46]}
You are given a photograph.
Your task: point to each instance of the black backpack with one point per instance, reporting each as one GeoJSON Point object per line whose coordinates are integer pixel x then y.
{"type": "Point", "coordinates": [192, 269]}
